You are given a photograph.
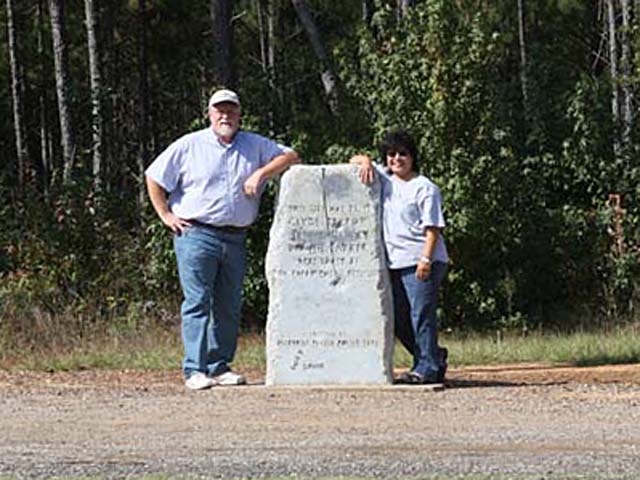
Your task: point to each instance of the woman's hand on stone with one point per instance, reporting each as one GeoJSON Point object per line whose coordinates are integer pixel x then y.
{"type": "Point", "coordinates": [366, 172]}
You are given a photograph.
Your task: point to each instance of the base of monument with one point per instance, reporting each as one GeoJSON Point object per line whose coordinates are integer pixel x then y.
{"type": "Point", "coordinates": [432, 387]}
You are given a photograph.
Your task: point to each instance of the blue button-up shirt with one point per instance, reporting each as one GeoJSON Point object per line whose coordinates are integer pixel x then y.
{"type": "Point", "coordinates": [204, 177]}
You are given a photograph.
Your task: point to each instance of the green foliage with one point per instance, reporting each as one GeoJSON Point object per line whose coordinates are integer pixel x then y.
{"type": "Point", "coordinates": [76, 270]}
{"type": "Point", "coordinates": [534, 238]}
{"type": "Point", "coordinates": [527, 232]}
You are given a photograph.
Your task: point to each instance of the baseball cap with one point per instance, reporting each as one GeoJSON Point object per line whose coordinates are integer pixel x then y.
{"type": "Point", "coordinates": [224, 95]}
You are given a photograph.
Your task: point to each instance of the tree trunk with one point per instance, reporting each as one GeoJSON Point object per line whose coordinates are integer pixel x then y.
{"type": "Point", "coordinates": [143, 108]}
{"type": "Point", "coordinates": [261, 8]}
{"type": "Point", "coordinates": [523, 61]}
{"type": "Point", "coordinates": [96, 92]}
{"type": "Point", "coordinates": [56, 12]}
{"type": "Point", "coordinates": [627, 87]}
{"type": "Point", "coordinates": [221, 16]}
{"type": "Point", "coordinates": [271, 42]}
{"type": "Point", "coordinates": [367, 11]}
{"type": "Point", "coordinates": [328, 76]}
{"type": "Point", "coordinates": [403, 7]}
{"type": "Point", "coordinates": [266, 25]}
{"type": "Point", "coordinates": [613, 71]}
{"type": "Point", "coordinates": [114, 145]}
{"type": "Point", "coordinates": [45, 141]}
{"type": "Point", "coordinates": [17, 94]}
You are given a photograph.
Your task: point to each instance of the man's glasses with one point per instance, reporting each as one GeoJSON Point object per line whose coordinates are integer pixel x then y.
{"type": "Point", "coordinates": [226, 110]}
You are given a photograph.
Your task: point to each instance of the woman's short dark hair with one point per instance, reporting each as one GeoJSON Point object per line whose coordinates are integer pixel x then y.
{"type": "Point", "coordinates": [399, 139]}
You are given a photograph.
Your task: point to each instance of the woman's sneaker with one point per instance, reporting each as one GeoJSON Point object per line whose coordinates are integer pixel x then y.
{"type": "Point", "coordinates": [414, 378]}
{"type": "Point", "coordinates": [199, 381]}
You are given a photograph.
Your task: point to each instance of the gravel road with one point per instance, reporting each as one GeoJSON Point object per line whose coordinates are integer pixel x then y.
{"type": "Point", "coordinates": [483, 425]}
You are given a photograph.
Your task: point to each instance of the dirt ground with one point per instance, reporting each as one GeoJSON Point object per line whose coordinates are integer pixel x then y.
{"type": "Point", "coordinates": [545, 374]}
{"type": "Point", "coordinates": [516, 374]}
{"type": "Point", "coordinates": [507, 421]}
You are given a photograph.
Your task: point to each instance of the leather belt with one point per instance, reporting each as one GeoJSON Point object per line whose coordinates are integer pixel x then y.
{"type": "Point", "coordinates": [220, 228]}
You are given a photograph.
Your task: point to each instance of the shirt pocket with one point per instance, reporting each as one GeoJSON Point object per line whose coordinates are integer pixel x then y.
{"type": "Point", "coordinates": [411, 217]}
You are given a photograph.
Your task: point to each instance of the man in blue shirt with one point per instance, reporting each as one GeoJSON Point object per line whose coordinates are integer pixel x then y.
{"type": "Point", "coordinates": [206, 188]}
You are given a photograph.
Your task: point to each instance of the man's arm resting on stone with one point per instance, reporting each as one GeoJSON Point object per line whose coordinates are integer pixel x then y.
{"type": "Point", "coordinates": [158, 197]}
{"type": "Point", "coordinates": [277, 165]}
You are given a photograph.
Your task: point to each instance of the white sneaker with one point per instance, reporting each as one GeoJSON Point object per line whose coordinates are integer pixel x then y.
{"type": "Point", "coordinates": [199, 381]}
{"type": "Point", "coordinates": [229, 378]}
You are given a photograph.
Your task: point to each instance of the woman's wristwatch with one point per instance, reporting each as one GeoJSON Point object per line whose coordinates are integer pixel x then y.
{"type": "Point", "coordinates": [425, 259]}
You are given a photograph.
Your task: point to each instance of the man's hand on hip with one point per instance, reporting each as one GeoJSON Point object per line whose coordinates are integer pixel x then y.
{"type": "Point", "coordinates": [176, 224]}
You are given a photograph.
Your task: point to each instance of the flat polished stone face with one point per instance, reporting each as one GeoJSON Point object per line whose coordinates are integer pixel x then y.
{"type": "Point", "coordinates": [330, 308]}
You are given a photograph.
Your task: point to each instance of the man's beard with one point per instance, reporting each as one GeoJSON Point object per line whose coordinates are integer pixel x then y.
{"type": "Point", "coordinates": [226, 131]}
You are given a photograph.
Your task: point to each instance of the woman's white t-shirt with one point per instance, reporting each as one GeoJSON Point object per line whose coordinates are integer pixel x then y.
{"type": "Point", "coordinates": [408, 208]}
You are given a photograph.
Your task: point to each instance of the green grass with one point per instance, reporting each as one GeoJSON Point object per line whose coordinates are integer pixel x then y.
{"type": "Point", "coordinates": [579, 349]}
{"type": "Point", "coordinates": [617, 346]}
{"type": "Point", "coordinates": [162, 350]}
{"type": "Point", "coordinates": [151, 350]}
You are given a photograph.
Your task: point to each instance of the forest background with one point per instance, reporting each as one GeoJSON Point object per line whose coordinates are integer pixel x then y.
{"type": "Point", "coordinates": [525, 113]}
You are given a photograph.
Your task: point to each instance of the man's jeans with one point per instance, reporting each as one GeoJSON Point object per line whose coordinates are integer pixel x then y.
{"type": "Point", "coordinates": [415, 303]}
{"type": "Point", "coordinates": [211, 266]}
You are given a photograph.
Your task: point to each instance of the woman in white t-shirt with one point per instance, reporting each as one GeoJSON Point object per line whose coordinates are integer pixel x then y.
{"type": "Point", "coordinates": [416, 252]}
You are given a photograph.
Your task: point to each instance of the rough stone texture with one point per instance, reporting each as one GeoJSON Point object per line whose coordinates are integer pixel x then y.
{"type": "Point", "coordinates": [330, 309]}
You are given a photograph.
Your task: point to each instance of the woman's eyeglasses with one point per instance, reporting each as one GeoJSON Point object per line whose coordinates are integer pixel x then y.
{"type": "Point", "coordinates": [393, 153]}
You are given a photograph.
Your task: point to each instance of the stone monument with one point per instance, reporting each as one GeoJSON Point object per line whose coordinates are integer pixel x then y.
{"type": "Point", "coordinates": [330, 306]}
